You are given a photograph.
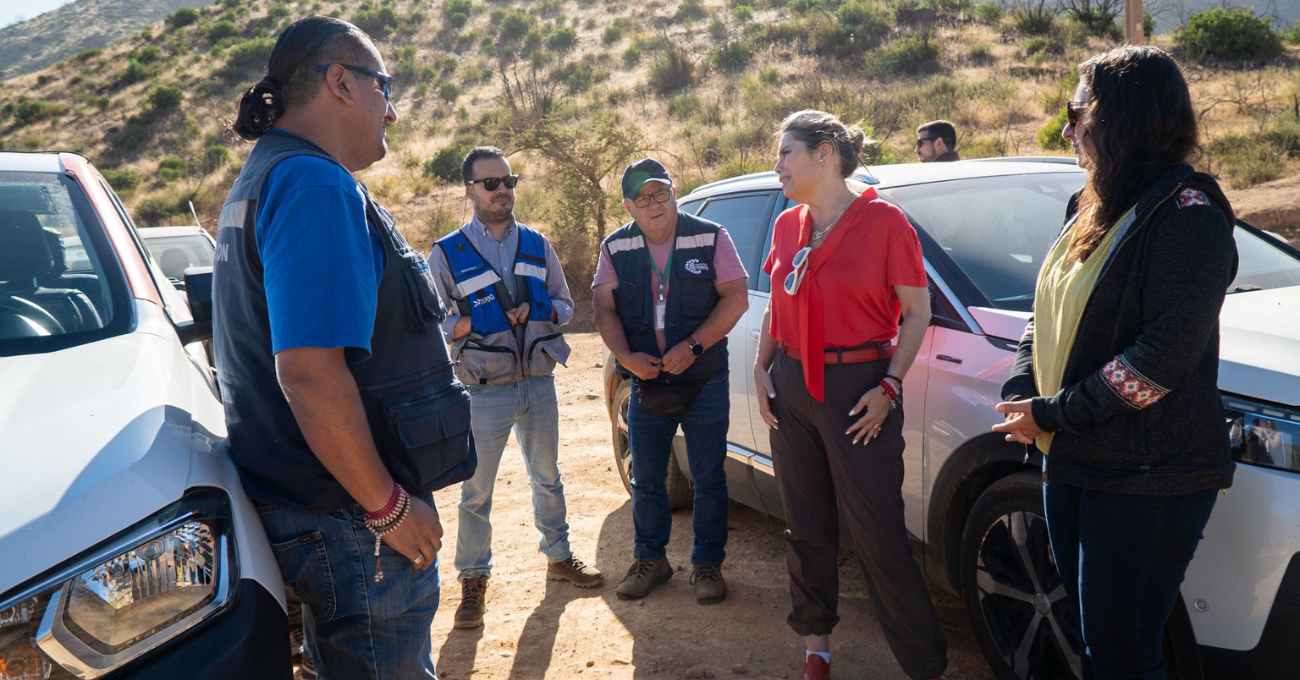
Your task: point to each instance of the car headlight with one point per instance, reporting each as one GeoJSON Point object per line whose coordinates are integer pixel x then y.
{"type": "Point", "coordinates": [1262, 434]}
{"type": "Point", "coordinates": [126, 597]}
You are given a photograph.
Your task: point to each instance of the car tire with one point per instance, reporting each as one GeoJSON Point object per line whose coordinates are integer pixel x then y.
{"type": "Point", "coordinates": [680, 492]}
{"type": "Point", "coordinates": [1018, 608]}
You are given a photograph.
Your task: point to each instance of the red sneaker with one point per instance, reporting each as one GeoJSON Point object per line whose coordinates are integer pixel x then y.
{"type": "Point", "coordinates": [816, 668]}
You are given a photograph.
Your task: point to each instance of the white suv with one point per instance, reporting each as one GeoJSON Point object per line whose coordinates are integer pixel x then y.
{"type": "Point", "coordinates": [974, 502]}
{"type": "Point", "coordinates": [127, 546]}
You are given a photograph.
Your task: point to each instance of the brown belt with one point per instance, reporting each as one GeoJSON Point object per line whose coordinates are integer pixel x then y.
{"type": "Point", "coordinates": [836, 355]}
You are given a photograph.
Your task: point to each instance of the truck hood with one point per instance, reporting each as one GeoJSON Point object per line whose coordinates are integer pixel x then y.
{"type": "Point", "coordinates": [92, 440]}
{"type": "Point", "coordinates": [1259, 348]}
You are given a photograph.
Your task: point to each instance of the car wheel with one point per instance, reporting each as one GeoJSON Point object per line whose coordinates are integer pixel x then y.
{"type": "Point", "coordinates": [679, 487]}
{"type": "Point", "coordinates": [1017, 604]}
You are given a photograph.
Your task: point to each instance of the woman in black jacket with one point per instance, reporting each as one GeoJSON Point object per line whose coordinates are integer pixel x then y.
{"type": "Point", "coordinates": [1115, 378]}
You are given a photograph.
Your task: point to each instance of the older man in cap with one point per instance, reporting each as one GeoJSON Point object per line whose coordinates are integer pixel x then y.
{"type": "Point", "coordinates": [669, 286]}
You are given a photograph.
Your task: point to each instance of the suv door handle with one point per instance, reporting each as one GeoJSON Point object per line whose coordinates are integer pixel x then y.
{"type": "Point", "coordinates": [753, 335]}
{"type": "Point", "coordinates": [945, 357]}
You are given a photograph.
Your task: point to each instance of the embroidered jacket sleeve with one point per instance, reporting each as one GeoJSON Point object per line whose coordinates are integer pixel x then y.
{"type": "Point", "coordinates": [1190, 261]}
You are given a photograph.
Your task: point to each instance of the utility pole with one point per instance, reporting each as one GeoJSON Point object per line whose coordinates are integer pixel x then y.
{"type": "Point", "coordinates": [1134, 28]}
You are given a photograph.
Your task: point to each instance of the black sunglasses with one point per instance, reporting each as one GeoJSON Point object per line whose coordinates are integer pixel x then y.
{"type": "Point", "coordinates": [922, 140]}
{"type": "Point", "coordinates": [1072, 110]}
{"type": "Point", "coordinates": [385, 80]}
{"type": "Point", "coordinates": [491, 183]}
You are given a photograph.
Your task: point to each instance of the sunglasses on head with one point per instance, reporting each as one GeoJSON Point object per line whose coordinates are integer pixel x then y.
{"type": "Point", "coordinates": [1072, 111]}
{"type": "Point", "coordinates": [491, 183]}
{"type": "Point", "coordinates": [385, 80]}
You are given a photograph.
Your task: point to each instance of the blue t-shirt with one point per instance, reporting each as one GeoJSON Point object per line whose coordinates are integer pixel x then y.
{"type": "Point", "coordinates": [321, 259]}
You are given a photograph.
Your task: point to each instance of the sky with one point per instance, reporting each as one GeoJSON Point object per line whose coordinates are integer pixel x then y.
{"type": "Point", "coordinates": [12, 11]}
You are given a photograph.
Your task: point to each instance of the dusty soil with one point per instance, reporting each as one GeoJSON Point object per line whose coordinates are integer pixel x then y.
{"type": "Point", "coordinates": [537, 630]}
{"type": "Point", "coordinates": [1273, 207]}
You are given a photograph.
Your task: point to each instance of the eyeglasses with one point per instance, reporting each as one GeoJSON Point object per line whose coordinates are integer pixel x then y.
{"type": "Point", "coordinates": [660, 196]}
{"type": "Point", "coordinates": [1072, 111]}
{"type": "Point", "coordinates": [795, 278]}
{"type": "Point", "coordinates": [922, 140]}
{"type": "Point", "coordinates": [491, 183]}
{"type": "Point", "coordinates": [385, 80]}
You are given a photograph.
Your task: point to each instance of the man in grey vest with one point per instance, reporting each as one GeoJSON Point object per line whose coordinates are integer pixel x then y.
{"type": "Point", "coordinates": [508, 299]}
{"type": "Point", "coordinates": [342, 408]}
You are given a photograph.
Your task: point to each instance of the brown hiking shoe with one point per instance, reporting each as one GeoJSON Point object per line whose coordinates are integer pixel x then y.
{"type": "Point", "coordinates": [575, 572]}
{"type": "Point", "coordinates": [710, 588]}
{"type": "Point", "coordinates": [643, 576]}
{"type": "Point", "coordinates": [473, 602]}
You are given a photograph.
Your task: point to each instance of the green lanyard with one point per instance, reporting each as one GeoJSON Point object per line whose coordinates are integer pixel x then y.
{"type": "Point", "coordinates": [661, 273]}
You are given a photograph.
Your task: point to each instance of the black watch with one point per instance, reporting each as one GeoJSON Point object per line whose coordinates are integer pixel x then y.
{"type": "Point", "coordinates": [696, 348]}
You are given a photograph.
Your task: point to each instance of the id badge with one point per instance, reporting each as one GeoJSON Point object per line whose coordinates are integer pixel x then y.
{"type": "Point", "coordinates": [659, 315]}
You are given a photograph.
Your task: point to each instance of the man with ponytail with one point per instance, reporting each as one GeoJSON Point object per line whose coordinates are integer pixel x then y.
{"type": "Point", "coordinates": [343, 411]}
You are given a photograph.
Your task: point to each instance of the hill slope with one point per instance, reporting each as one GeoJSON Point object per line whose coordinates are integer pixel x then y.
{"type": "Point", "coordinates": [31, 45]}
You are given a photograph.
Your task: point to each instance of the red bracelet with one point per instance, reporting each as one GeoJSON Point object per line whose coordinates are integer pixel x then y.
{"type": "Point", "coordinates": [392, 501]}
{"type": "Point", "coordinates": [889, 391]}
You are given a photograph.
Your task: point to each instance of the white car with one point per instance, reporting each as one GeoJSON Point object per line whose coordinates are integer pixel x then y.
{"type": "Point", "coordinates": [974, 502]}
{"type": "Point", "coordinates": [176, 249]}
{"type": "Point", "coordinates": [127, 545]}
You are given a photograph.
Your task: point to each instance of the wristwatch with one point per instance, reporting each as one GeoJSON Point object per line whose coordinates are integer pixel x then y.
{"type": "Point", "coordinates": [696, 348]}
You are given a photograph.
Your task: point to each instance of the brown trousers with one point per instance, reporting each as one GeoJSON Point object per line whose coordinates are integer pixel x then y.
{"type": "Point", "coordinates": [817, 469]}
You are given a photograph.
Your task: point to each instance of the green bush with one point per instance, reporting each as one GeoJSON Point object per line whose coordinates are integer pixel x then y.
{"type": "Point", "coordinates": [246, 59]}
{"type": "Point", "coordinates": [453, 7]}
{"type": "Point", "coordinates": [445, 165]}
{"type": "Point", "coordinates": [26, 111]}
{"type": "Point", "coordinates": [1247, 159]}
{"type": "Point", "coordinates": [1028, 21]}
{"type": "Point", "coordinates": [691, 9]}
{"type": "Point", "coordinates": [979, 52]}
{"type": "Point", "coordinates": [88, 54]}
{"type": "Point", "coordinates": [183, 17]}
{"type": "Point", "coordinates": [101, 102]}
{"type": "Point", "coordinates": [378, 22]}
{"type": "Point", "coordinates": [221, 30]}
{"type": "Point", "coordinates": [1049, 136]}
{"type": "Point", "coordinates": [732, 55]}
{"type": "Point", "coordinates": [672, 71]}
{"type": "Point", "coordinates": [611, 35]}
{"type": "Point", "coordinates": [214, 157]}
{"type": "Point", "coordinates": [122, 181]}
{"type": "Point", "coordinates": [1040, 46]}
{"type": "Point", "coordinates": [909, 11]}
{"type": "Point", "coordinates": [1229, 33]}
{"type": "Point", "coordinates": [742, 13]}
{"type": "Point", "coordinates": [1291, 36]}
{"type": "Point", "coordinates": [683, 106]}
{"type": "Point", "coordinates": [515, 24]}
{"type": "Point", "coordinates": [768, 75]}
{"type": "Point", "coordinates": [989, 12]}
{"type": "Point", "coordinates": [631, 56]}
{"type": "Point", "coordinates": [1284, 134]}
{"type": "Point", "coordinates": [448, 92]}
{"type": "Point", "coordinates": [913, 55]}
{"type": "Point", "coordinates": [172, 169]}
{"type": "Point", "coordinates": [1097, 21]}
{"type": "Point", "coordinates": [147, 54]}
{"type": "Point", "coordinates": [166, 97]}
{"type": "Point", "coordinates": [562, 40]}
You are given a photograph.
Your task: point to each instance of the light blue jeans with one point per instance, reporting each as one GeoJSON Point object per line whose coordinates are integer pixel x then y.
{"type": "Point", "coordinates": [531, 409]}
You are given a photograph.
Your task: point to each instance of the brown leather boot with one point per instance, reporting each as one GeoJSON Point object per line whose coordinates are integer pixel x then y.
{"type": "Point", "coordinates": [575, 572]}
{"type": "Point", "coordinates": [473, 602]}
{"type": "Point", "coordinates": [642, 577]}
{"type": "Point", "coordinates": [710, 588]}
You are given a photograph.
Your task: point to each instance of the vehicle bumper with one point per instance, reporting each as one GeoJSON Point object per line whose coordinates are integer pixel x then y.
{"type": "Point", "coordinates": [1277, 655]}
{"type": "Point", "coordinates": [250, 641]}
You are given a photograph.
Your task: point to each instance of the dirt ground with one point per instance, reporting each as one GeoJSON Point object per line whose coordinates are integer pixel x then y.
{"type": "Point", "coordinates": [535, 629]}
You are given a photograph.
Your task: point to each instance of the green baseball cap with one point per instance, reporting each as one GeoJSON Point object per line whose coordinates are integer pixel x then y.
{"type": "Point", "coordinates": [638, 173]}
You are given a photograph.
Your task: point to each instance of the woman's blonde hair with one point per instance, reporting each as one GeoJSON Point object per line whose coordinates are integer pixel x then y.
{"type": "Point", "coordinates": [813, 128]}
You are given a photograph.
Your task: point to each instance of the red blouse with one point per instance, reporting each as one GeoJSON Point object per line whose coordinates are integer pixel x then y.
{"type": "Point", "coordinates": [844, 300]}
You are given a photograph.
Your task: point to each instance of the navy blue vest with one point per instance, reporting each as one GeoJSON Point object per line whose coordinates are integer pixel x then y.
{"type": "Point", "coordinates": [418, 412]}
{"type": "Point", "coordinates": [692, 294]}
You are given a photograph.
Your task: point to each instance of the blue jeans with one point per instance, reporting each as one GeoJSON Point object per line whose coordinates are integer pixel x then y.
{"type": "Point", "coordinates": [650, 438]}
{"type": "Point", "coordinates": [529, 407]}
{"type": "Point", "coordinates": [1122, 558]}
{"type": "Point", "coordinates": [355, 629]}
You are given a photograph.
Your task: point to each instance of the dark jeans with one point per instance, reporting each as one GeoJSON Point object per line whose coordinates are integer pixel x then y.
{"type": "Point", "coordinates": [1122, 558]}
{"type": "Point", "coordinates": [651, 439]}
{"type": "Point", "coordinates": [820, 472]}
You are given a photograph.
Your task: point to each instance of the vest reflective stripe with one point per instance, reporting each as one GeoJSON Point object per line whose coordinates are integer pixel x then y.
{"type": "Point", "coordinates": [233, 215]}
{"type": "Point", "coordinates": [618, 245]}
{"type": "Point", "coordinates": [696, 241]}
{"type": "Point", "coordinates": [477, 282]}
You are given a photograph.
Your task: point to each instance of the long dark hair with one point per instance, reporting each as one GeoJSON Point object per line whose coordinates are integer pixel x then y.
{"type": "Point", "coordinates": [1140, 125]}
{"type": "Point", "coordinates": [291, 78]}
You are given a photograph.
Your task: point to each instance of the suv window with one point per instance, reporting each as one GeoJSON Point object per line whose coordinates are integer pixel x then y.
{"type": "Point", "coordinates": [1261, 264]}
{"type": "Point", "coordinates": [60, 285]}
{"type": "Point", "coordinates": [746, 219]}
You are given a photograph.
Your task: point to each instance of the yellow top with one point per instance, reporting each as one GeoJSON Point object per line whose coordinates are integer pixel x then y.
{"type": "Point", "coordinates": [1059, 298]}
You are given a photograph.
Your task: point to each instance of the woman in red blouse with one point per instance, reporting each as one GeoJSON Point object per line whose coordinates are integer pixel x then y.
{"type": "Point", "coordinates": [844, 265]}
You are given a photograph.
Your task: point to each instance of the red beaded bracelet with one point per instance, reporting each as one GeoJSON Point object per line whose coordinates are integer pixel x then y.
{"type": "Point", "coordinates": [392, 501]}
{"type": "Point", "coordinates": [889, 392]}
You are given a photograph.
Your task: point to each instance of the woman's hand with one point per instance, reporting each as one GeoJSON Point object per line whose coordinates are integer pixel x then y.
{"type": "Point", "coordinates": [766, 393]}
{"type": "Point", "coordinates": [877, 407]}
{"type": "Point", "coordinates": [1019, 426]}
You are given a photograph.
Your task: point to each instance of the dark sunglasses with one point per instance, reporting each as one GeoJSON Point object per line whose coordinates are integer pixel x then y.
{"type": "Point", "coordinates": [922, 140]}
{"type": "Point", "coordinates": [1072, 110]}
{"type": "Point", "coordinates": [491, 183]}
{"type": "Point", "coordinates": [385, 80]}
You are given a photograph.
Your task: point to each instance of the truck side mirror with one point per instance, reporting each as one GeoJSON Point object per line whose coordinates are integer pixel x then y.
{"type": "Point", "coordinates": [198, 289]}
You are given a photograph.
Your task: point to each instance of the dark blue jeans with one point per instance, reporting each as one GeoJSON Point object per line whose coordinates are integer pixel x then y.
{"type": "Point", "coordinates": [1122, 558]}
{"type": "Point", "coordinates": [651, 439]}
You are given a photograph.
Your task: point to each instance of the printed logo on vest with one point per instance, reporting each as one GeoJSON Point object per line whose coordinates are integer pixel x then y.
{"type": "Point", "coordinates": [694, 266]}
{"type": "Point", "coordinates": [483, 301]}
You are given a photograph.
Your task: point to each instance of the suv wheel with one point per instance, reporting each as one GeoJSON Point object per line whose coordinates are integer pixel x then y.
{"type": "Point", "coordinates": [1014, 595]}
{"type": "Point", "coordinates": [680, 492]}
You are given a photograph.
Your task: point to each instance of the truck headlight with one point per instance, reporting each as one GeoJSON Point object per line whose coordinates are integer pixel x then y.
{"type": "Point", "coordinates": [1263, 434]}
{"type": "Point", "coordinates": [126, 597]}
